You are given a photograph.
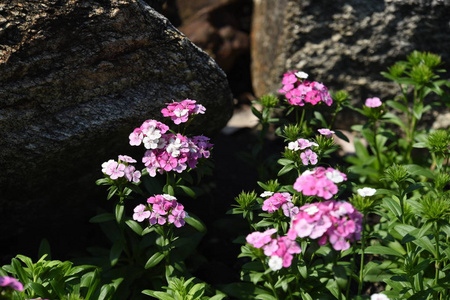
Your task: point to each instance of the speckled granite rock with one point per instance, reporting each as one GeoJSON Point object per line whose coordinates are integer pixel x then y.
{"type": "Point", "coordinates": [345, 44]}
{"type": "Point", "coordinates": [76, 77]}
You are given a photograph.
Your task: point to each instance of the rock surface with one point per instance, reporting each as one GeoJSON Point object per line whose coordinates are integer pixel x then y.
{"type": "Point", "coordinates": [76, 77]}
{"type": "Point", "coordinates": [344, 44]}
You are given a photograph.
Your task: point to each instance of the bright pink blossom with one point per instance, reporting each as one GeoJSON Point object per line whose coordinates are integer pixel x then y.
{"type": "Point", "coordinates": [259, 239]}
{"type": "Point", "coordinates": [373, 102]}
{"type": "Point", "coordinates": [179, 112]}
{"type": "Point", "coordinates": [161, 209]}
{"type": "Point", "coordinates": [299, 91]}
{"type": "Point", "coordinates": [319, 182]}
{"type": "Point", "coordinates": [275, 201]}
{"type": "Point", "coordinates": [334, 221]}
{"type": "Point", "coordinates": [282, 247]}
{"type": "Point", "coordinates": [11, 282]}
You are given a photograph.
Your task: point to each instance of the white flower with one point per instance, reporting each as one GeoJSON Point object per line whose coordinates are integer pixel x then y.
{"type": "Point", "coordinates": [335, 176]}
{"type": "Point", "coordinates": [379, 297]}
{"type": "Point", "coordinates": [266, 194]}
{"type": "Point", "coordinates": [293, 146]}
{"type": "Point", "coordinates": [301, 75]}
{"type": "Point", "coordinates": [275, 263]}
{"type": "Point", "coordinates": [365, 192]}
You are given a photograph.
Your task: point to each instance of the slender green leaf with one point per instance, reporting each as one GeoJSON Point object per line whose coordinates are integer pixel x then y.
{"type": "Point", "coordinates": [135, 226]}
{"type": "Point", "coordinates": [195, 222]}
{"type": "Point", "coordinates": [155, 259]}
{"type": "Point", "coordinates": [382, 250]}
{"type": "Point", "coordinates": [40, 290]}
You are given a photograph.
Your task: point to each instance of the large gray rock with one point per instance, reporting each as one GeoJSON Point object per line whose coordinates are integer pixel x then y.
{"type": "Point", "coordinates": [345, 43]}
{"type": "Point", "coordinates": [76, 77]}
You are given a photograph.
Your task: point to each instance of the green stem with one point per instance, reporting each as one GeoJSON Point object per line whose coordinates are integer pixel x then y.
{"type": "Point", "coordinates": [361, 266]}
{"type": "Point", "coordinates": [377, 150]}
{"type": "Point", "coordinates": [437, 256]}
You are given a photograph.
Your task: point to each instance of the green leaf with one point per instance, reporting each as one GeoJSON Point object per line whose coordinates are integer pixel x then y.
{"type": "Point", "coordinates": [135, 226]}
{"type": "Point", "coordinates": [393, 206]}
{"type": "Point", "coordinates": [195, 222]}
{"type": "Point", "coordinates": [119, 212]}
{"type": "Point", "coordinates": [20, 272]}
{"type": "Point", "coordinates": [286, 169]}
{"type": "Point", "coordinates": [341, 135]}
{"type": "Point", "coordinates": [116, 251]}
{"type": "Point", "coordinates": [90, 280]}
{"type": "Point", "coordinates": [419, 171]}
{"type": "Point", "coordinates": [40, 290]}
{"type": "Point", "coordinates": [158, 295]}
{"type": "Point", "coordinates": [188, 191]}
{"type": "Point", "coordinates": [265, 297]}
{"type": "Point", "coordinates": [397, 105]}
{"type": "Point", "coordinates": [105, 217]}
{"type": "Point", "coordinates": [155, 259]}
{"type": "Point", "coordinates": [382, 250]}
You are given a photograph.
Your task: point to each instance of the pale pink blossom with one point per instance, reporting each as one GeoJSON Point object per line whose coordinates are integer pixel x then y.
{"type": "Point", "coordinates": [373, 102]}
{"type": "Point", "coordinates": [140, 213]}
{"type": "Point", "coordinates": [326, 132]}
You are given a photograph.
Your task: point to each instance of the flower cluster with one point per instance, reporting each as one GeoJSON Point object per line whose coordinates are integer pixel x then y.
{"type": "Point", "coordinates": [307, 156]}
{"type": "Point", "coordinates": [179, 112]}
{"type": "Point", "coordinates": [319, 182]}
{"type": "Point", "coordinates": [161, 209]}
{"type": "Point", "coordinates": [298, 91]}
{"type": "Point", "coordinates": [333, 221]}
{"type": "Point", "coordinates": [277, 201]}
{"type": "Point", "coordinates": [279, 249]}
{"type": "Point", "coordinates": [176, 152]}
{"type": "Point", "coordinates": [121, 168]}
{"type": "Point", "coordinates": [11, 282]}
{"type": "Point", "coordinates": [167, 151]}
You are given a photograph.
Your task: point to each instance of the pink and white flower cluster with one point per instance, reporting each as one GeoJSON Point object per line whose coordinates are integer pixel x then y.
{"type": "Point", "coordinates": [121, 168]}
{"type": "Point", "coordinates": [319, 182]}
{"type": "Point", "coordinates": [179, 112]}
{"type": "Point", "coordinates": [161, 209]}
{"type": "Point", "coordinates": [298, 91]}
{"type": "Point", "coordinates": [308, 156]}
{"type": "Point", "coordinates": [279, 249]}
{"type": "Point", "coordinates": [277, 201]}
{"type": "Point", "coordinates": [167, 151]}
{"type": "Point", "coordinates": [176, 152]}
{"type": "Point", "coordinates": [334, 221]}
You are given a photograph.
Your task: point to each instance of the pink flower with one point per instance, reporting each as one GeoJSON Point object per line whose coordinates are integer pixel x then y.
{"type": "Point", "coordinates": [284, 248]}
{"type": "Point", "coordinates": [179, 112]}
{"type": "Point", "coordinates": [333, 221]}
{"type": "Point", "coordinates": [162, 209]}
{"type": "Point", "coordinates": [259, 239]}
{"type": "Point", "coordinates": [308, 157]}
{"type": "Point", "coordinates": [11, 282]}
{"type": "Point", "coordinates": [326, 132]}
{"type": "Point", "coordinates": [373, 102]}
{"type": "Point", "coordinates": [299, 91]}
{"type": "Point", "coordinates": [275, 201]}
{"type": "Point", "coordinates": [140, 213]}
{"type": "Point", "coordinates": [319, 182]}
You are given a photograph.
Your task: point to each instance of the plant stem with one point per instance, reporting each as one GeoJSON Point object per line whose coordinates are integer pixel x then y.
{"type": "Point", "coordinates": [361, 266]}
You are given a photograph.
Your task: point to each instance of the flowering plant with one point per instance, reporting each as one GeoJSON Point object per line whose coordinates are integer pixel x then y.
{"type": "Point", "coordinates": [369, 225]}
{"type": "Point", "coordinates": [308, 242]}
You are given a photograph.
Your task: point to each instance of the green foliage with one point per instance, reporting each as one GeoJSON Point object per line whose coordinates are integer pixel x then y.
{"type": "Point", "coordinates": [54, 279]}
